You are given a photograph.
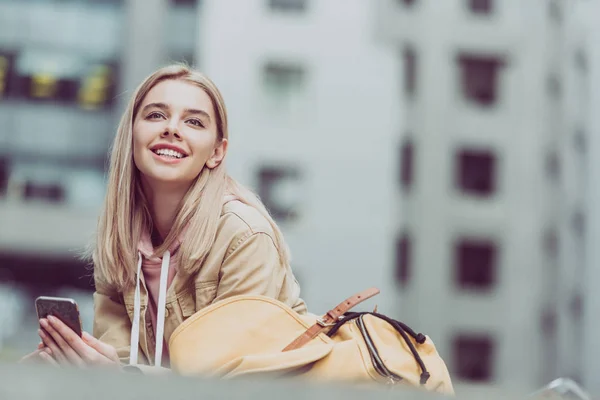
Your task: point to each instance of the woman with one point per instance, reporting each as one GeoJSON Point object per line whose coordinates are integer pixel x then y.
{"type": "Point", "coordinates": [176, 232]}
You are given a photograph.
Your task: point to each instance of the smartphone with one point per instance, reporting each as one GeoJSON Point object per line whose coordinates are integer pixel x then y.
{"type": "Point", "coordinates": [561, 389]}
{"type": "Point", "coordinates": [62, 308]}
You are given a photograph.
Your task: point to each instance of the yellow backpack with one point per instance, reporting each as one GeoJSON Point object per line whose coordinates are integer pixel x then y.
{"type": "Point", "coordinates": [258, 336]}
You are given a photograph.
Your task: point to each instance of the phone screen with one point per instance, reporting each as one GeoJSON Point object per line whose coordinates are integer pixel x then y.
{"type": "Point", "coordinates": [64, 309]}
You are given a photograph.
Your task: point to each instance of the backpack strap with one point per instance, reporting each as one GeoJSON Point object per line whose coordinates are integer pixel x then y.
{"type": "Point", "coordinates": [331, 318]}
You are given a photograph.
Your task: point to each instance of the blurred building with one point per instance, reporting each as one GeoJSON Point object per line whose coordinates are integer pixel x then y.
{"type": "Point", "coordinates": [312, 95]}
{"type": "Point", "coordinates": [65, 69]}
{"type": "Point", "coordinates": [484, 149]}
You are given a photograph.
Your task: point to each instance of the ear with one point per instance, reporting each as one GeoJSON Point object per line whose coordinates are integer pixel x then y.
{"type": "Point", "coordinates": [217, 155]}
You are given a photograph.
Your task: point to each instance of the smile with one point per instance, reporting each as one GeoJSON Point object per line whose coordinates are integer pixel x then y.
{"type": "Point", "coordinates": [169, 153]}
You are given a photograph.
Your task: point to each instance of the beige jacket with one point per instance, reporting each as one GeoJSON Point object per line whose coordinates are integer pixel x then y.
{"type": "Point", "coordinates": [243, 260]}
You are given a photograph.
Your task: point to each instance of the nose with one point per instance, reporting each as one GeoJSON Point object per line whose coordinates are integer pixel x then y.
{"type": "Point", "coordinates": [171, 130]}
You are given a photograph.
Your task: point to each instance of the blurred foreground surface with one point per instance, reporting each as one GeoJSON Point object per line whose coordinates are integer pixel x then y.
{"type": "Point", "coordinates": [37, 383]}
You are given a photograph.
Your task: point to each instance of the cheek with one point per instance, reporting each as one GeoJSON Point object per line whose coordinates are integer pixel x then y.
{"type": "Point", "coordinates": [202, 146]}
{"type": "Point", "coordinates": [140, 142]}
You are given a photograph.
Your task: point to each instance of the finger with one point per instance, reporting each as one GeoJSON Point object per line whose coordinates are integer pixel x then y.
{"type": "Point", "coordinates": [65, 347]}
{"type": "Point", "coordinates": [31, 357]}
{"type": "Point", "coordinates": [48, 358]}
{"type": "Point", "coordinates": [41, 345]}
{"type": "Point", "coordinates": [106, 350]}
{"type": "Point", "coordinates": [74, 341]}
{"type": "Point", "coordinates": [51, 344]}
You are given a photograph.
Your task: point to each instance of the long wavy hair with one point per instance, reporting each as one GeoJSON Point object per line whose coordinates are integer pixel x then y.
{"type": "Point", "coordinates": [125, 213]}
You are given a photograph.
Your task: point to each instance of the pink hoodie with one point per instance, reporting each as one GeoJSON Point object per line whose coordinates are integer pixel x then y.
{"type": "Point", "coordinates": [151, 266]}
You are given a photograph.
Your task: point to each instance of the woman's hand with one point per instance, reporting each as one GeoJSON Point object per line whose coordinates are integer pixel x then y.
{"type": "Point", "coordinates": [42, 354]}
{"type": "Point", "coordinates": [68, 348]}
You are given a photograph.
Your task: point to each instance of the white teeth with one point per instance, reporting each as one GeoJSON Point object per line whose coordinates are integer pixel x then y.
{"type": "Point", "coordinates": [169, 152]}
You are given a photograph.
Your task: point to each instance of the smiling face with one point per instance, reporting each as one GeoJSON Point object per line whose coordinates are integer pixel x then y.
{"type": "Point", "coordinates": [175, 134]}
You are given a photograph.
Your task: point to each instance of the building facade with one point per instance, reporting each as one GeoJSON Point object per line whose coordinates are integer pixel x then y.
{"type": "Point", "coordinates": [478, 244]}
{"type": "Point", "coordinates": [311, 94]}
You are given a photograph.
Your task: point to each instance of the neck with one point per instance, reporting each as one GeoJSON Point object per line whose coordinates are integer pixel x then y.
{"type": "Point", "coordinates": [164, 203]}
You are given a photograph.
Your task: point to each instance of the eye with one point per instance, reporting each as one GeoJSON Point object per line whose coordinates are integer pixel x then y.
{"type": "Point", "coordinates": [196, 122]}
{"type": "Point", "coordinates": [154, 115]}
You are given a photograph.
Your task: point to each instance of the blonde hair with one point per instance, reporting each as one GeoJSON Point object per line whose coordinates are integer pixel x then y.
{"type": "Point", "coordinates": [125, 214]}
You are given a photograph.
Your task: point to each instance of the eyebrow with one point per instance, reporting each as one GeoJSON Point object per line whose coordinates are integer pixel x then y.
{"type": "Point", "coordinates": [165, 107]}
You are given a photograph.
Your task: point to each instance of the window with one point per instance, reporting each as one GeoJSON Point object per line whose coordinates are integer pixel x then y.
{"type": "Point", "coordinates": [551, 243]}
{"type": "Point", "coordinates": [3, 175]}
{"type": "Point", "coordinates": [276, 188]}
{"type": "Point", "coordinates": [555, 11]}
{"type": "Point", "coordinates": [480, 78]}
{"type": "Point", "coordinates": [288, 5]}
{"type": "Point", "coordinates": [553, 165]}
{"type": "Point", "coordinates": [7, 62]}
{"type": "Point", "coordinates": [284, 84]}
{"type": "Point", "coordinates": [481, 6]}
{"type": "Point", "coordinates": [403, 259]}
{"type": "Point", "coordinates": [554, 85]}
{"type": "Point", "coordinates": [474, 357]}
{"type": "Point", "coordinates": [475, 264]}
{"type": "Point", "coordinates": [189, 3]}
{"type": "Point", "coordinates": [51, 192]}
{"type": "Point", "coordinates": [576, 306]}
{"type": "Point", "coordinates": [410, 71]}
{"type": "Point", "coordinates": [578, 223]}
{"type": "Point", "coordinates": [406, 164]}
{"type": "Point", "coordinates": [475, 174]}
{"type": "Point", "coordinates": [548, 321]}
{"type": "Point", "coordinates": [579, 139]}
{"type": "Point", "coordinates": [581, 61]}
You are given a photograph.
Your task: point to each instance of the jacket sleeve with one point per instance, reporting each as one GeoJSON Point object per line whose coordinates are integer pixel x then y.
{"type": "Point", "coordinates": [252, 266]}
{"type": "Point", "coordinates": [111, 321]}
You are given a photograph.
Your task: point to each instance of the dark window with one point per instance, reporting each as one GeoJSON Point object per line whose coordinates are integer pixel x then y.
{"type": "Point", "coordinates": [578, 223]}
{"type": "Point", "coordinates": [554, 85]}
{"type": "Point", "coordinates": [579, 139]}
{"type": "Point", "coordinates": [480, 78]}
{"type": "Point", "coordinates": [410, 71]}
{"type": "Point", "coordinates": [474, 357]}
{"type": "Point", "coordinates": [403, 259]}
{"type": "Point", "coordinates": [476, 172]}
{"type": "Point", "coordinates": [406, 164]}
{"type": "Point", "coordinates": [51, 192]}
{"type": "Point", "coordinates": [481, 6]}
{"type": "Point", "coordinates": [475, 264]}
{"type": "Point", "coordinates": [190, 3]}
{"type": "Point", "coordinates": [283, 75]}
{"type": "Point", "coordinates": [581, 61]}
{"type": "Point", "coordinates": [288, 5]}
{"type": "Point", "coordinates": [576, 306]}
{"type": "Point", "coordinates": [553, 165]}
{"type": "Point", "coordinates": [549, 321]}
{"type": "Point", "coordinates": [3, 175]}
{"type": "Point", "coordinates": [271, 179]}
{"type": "Point", "coordinates": [555, 11]}
{"type": "Point", "coordinates": [551, 243]}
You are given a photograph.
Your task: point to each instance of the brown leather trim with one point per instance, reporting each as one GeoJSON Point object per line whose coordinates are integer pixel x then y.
{"type": "Point", "coordinates": [330, 318]}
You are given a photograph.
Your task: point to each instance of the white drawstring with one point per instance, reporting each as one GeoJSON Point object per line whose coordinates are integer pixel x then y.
{"type": "Point", "coordinates": [162, 300]}
{"type": "Point", "coordinates": [135, 327]}
{"type": "Point", "coordinates": [160, 319]}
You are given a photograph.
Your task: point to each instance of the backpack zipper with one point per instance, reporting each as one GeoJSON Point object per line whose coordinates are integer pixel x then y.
{"type": "Point", "coordinates": [375, 358]}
